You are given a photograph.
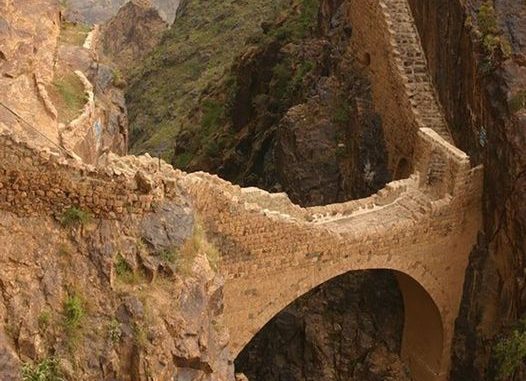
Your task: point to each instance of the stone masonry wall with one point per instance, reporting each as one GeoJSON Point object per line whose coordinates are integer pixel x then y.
{"type": "Point", "coordinates": [36, 182]}
{"type": "Point", "coordinates": [384, 33]}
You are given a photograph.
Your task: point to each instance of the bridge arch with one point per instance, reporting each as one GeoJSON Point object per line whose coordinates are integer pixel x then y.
{"type": "Point", "coordinates": [423, 338]}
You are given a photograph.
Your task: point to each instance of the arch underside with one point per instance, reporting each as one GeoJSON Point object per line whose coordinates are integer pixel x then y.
{"type": "Point", "coordinates": [430, 266]}
{"type": "Point", "coordinates": [423, 337]}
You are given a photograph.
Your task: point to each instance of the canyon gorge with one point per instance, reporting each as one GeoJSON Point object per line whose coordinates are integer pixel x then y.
{"type": "Point", "coordinates": [263, 190]}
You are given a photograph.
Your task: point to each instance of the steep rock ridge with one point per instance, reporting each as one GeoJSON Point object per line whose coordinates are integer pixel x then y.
{"type": "Point", "coordinates": [99, 11]}
{"type": "Point", "coordinates": [132, 34]}
{"type": "Point", "coordinates": [483, 96]}
{"type": "Point", "coordinates": [50, 83]}
{"type": "Point", "coordinates": [192, 55]}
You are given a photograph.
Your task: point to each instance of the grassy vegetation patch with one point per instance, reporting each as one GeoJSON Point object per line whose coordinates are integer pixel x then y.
{"type": "Point", "coordinates": [193, 56]}
{"type": "Point", "coordinates": [74, 314]}
{"type": "Point", "coordinates": [114, 330]}
{"type": "Point", "coordinates": [169, 255]}
{"type": "Point", "coordinates": [75, 216]}
{"type": "Point", "coordinates": [123, 270]}
{"type": "Point", "coordinates": [301, 25]}
{"type": "Point", "coordinates": [494, 42]}
{"type": "Point", "coordinates": [510, 352]}
{"type": "Point", "coordinates": [73, 33]}
{"type": "Point", "coordinates": [198, 243]}
{"type": "Point", "coordinates": [68, 95]}
{"type": "Point", "coordinates": [46, 370]}
{"type": "Point", "coordinates": [140, 336]}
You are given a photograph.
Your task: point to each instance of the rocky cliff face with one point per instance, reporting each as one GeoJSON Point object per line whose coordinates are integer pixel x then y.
{"type": "Point", "coordinates": [293, 114]}
{"type": "Point", "coordinates": [28, 42]}
{"type": "Point", "coordinates": [478, 63]}
{"type": "Point", "coordinates": [104, 300]}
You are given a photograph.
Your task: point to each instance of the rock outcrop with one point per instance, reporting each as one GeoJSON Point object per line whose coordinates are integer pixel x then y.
{"type": "Point", "coordinates": [132, 34]}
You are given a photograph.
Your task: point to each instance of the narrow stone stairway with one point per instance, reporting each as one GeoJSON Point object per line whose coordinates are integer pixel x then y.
{"type": "Point", "coordinates": [411, 62]}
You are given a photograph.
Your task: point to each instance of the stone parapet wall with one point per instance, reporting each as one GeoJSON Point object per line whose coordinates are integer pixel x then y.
{"type": "Point", "coordinates": [36, 182]}
{"type": "Point", "coordinates": [371, 39]}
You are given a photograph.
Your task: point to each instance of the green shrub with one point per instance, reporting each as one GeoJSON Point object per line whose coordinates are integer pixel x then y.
{"type": "Point", "coordinates": [46, 370]}
{"type": "Point", "coordinates": [124, 272]}
{"type": "Point", "coordinates": [212, 148]}
{"type": "Point", "coordinates": [114, 330]}
{"type": "Point", "coordinates": [518, 102]}
{"type": "Point", "coordinates": [75, 216]}
{"type": "Point", "coordinates": [73, 312]}
{"type": "Point", "coordinates": [169, 255]}
{"type": "Point", "coordinates": [183, 159]}
{"type": "Point", "coordinates": [212, 115]}
{"type": "Point", "coordinates": [121, 266]}
{"type": "Point", "coordinates": [140, 336]}
{"type": "Point", "coordinates": [44, 319]}
{"type": "Point", "coordinates": [510, 352]}
{"type": "Point", "coordinates": [492, 39]}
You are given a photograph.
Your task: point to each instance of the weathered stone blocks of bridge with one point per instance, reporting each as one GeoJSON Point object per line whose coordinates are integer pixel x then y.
{"type": "Point", "coordinates": [423, 227]}
{"type": "Point", "coordinates": [385, 36]}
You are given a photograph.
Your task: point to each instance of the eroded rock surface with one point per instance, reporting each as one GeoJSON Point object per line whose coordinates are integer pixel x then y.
{"type": "Point", "coordinates": [138, 321]}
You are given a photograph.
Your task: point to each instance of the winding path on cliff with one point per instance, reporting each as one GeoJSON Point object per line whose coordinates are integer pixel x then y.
{"type": "Point", "coordinates": [422, 227]}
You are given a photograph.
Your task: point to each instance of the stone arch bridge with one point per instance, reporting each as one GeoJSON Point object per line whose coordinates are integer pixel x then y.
{"type": "Point", "coordinates": [423, 227]}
